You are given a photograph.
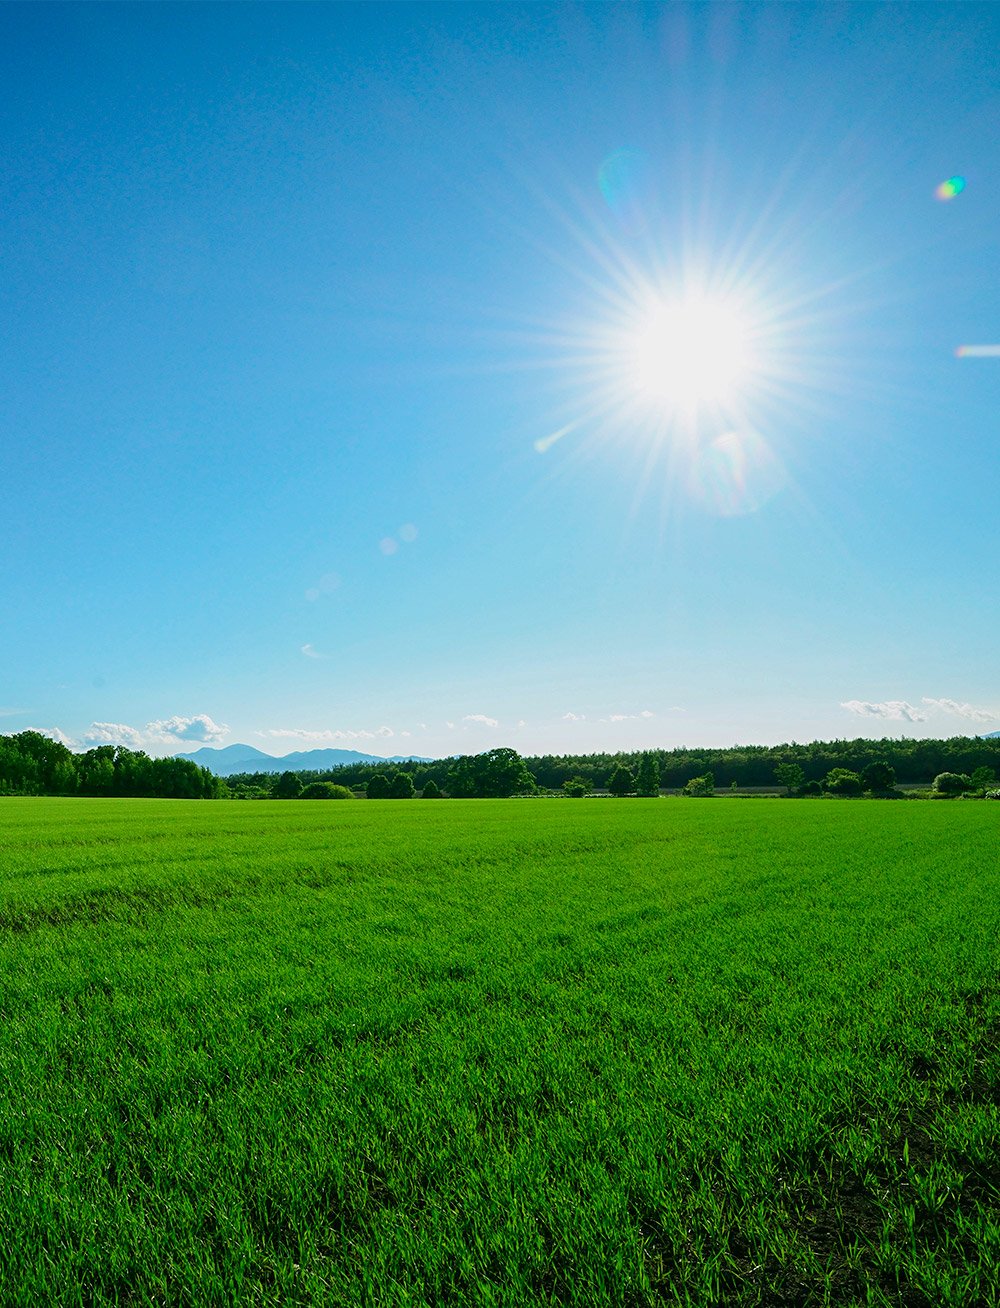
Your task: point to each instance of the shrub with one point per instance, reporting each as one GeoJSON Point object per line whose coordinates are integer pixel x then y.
{"type": "Point", "coordinates": [811, 788]}
{"type": "Point", "coordinates": [325, 790]}
{"type": "Point", "coordinates": [431, 790]}
{"type": "Point", "coordinates": [701, 787]}
{"type": "Point", "coordinates": [841, 781]}
{"type": "Point", "coordinates": [576, 787]}
{"type": "Point", "coordinates": [951, 783]}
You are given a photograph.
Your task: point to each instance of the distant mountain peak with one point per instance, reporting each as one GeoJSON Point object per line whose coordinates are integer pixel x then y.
{"type": "Point", "coordinates": [227, 760]}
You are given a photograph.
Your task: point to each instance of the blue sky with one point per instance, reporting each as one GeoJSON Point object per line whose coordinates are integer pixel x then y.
{"type": "Point", "coordinates": [325, 374]}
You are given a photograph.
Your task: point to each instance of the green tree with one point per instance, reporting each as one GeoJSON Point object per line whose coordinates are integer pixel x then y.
{"type": "Point", "coordinates": [790, 775]}
{"type": "Point", "coordinates": [951, 783]}
{"type": "Point", "coordinates": [879, 777]}
{"type": "Point", "coordinates": [378, 786]}
{"type": "Point", "coordinates": [701, 787]}
{"type": "Point", "coordinates": [576, 787]}
{"type": "Point", "coordinates": [497, 774]}
{"type": "Point", "coordinates": [287, 786]}
{"type": "Point", "coordinates": [431, 790]}
{"type": "Point", "coordinates": [842, 781]}
{"type": "Point", "coordinates": [621, 782]}
{"type": "Point", "coordinates": [647, 778]}
{"type": "Point", "coordinates": [983, 778]}
{"type": "Point", "coordinates": [401, 786]}
{"type": "Point", "coordinates": [325, 790]}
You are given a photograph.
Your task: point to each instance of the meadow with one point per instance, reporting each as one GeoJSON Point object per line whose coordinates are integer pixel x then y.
{"type": "Point", "coordinates": [499, 1053]}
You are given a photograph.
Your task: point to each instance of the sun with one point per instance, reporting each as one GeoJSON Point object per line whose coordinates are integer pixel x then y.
{"type": "Point", "coordinates": [689, 353]}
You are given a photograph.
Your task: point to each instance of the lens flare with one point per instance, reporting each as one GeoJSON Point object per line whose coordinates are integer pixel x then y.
{"type": "Point", "coordinates": [623, 179]}
{"type": "Point", "coordinates": [950, 188]}
{"type": "Point", "coordinates": [978, 352]}
{"type": "Point", "coordinates": [735, 474]}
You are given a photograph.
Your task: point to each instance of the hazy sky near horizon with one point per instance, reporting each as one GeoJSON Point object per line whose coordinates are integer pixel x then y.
{"type": "Point", "coordinates": [423, 378]}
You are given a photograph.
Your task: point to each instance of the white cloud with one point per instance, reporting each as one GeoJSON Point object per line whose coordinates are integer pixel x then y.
{"type": "Point", "coordinates": [574, 717]}
{"type": "Point", "coordinates": [894, 710]}
{"type": "Point", "coordinates": [647, 714]}
{"type": "Point", "coordinates": [311, 652]}
{"type": "Point", "coordinates": [631, 717]}
{"type": "Point", "coordinates": [521, 722]}
{"type": "Point", "coordinates": [113, 733]}
{"type": "Point", "coordinates": [481, 718]}
{"type": "Point", "coordinates": [54, 733]}
{"type": "Point", "coordinates": [962, 710]}
{"type": "Point", "coordinates": [198, 728]}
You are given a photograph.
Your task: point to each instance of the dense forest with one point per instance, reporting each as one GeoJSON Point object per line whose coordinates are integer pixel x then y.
{"type": "Point", "coordinates": [915, 762]}
{"type": "Point", "coordinates": [32, 764]}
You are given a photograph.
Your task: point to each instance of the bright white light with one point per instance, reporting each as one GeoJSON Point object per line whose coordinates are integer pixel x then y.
{"type": "Point", "coordinates": [689, 353]}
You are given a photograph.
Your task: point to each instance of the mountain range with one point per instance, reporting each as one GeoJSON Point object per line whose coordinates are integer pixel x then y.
{"type": "Point", "coordinates": [231, 759]}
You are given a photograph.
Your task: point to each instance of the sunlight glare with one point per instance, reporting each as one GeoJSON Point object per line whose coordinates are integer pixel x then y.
{"type": "Point", "coordinates": [690, 353]}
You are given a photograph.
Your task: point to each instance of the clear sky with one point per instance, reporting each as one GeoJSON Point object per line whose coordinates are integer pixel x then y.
{"type": "Point", "coordinates": [424, 378]}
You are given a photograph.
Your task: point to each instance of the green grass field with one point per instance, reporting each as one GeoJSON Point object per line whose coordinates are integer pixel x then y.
{"type": "Point", "coordinates": [499, 1053]}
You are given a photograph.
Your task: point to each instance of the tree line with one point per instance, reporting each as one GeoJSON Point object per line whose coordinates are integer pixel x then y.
{"type": "Point", "coordinates": [914, 762]}
{"type": "Point", "coordinates": [32, 764]}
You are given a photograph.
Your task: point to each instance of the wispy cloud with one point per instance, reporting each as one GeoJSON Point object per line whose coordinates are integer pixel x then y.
{"type": "Point", "coordinates": [961, 710]}
{"type": "Point", "coordinates": [311, 652]}
{"type": "Point", "coordinates": [326, 736]}
{"type": "Point", "coordinates": [893, 710]}
{"type": "Point", "coordinates": [574, 717]}
{"type": "Point", "coordinates": [482, 719]}
{"type": "Point", "coordinates": [631, 717]}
